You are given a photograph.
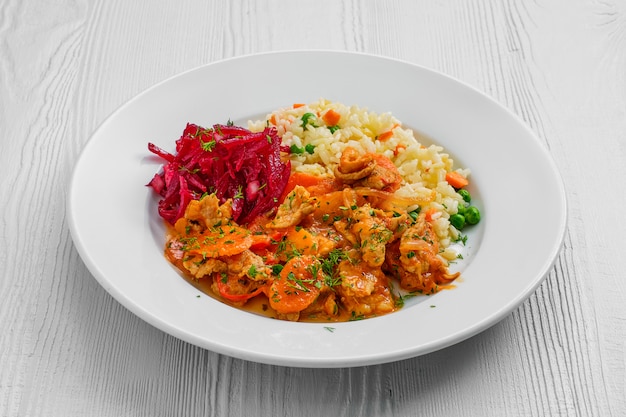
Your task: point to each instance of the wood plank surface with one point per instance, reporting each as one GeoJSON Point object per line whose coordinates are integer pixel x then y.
{"type": "Point", "coordinates": [67, 348]}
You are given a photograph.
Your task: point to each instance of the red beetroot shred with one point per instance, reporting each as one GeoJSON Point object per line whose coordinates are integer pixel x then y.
{"type": "Point", "coordinates": [231, 162]}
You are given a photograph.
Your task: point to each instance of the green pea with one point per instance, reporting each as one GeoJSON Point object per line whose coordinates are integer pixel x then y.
{"type": "Point", "coordinates": [461, 209]}
{"type": "Point", "coordinates": [466, 195]}
{"type": "Point", "coordinates": [472, 215]}
{"type": "Point", "coordinates": [458, 221]}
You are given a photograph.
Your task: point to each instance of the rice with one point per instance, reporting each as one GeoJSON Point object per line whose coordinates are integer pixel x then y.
{"type": "Point", "coordinates": [423, 168]}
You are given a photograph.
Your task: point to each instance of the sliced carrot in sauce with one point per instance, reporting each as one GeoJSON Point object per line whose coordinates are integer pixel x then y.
{"type": "Point", "coordinates": [225, 240]}
{"type": "Point", "coordinates": [298, 285]}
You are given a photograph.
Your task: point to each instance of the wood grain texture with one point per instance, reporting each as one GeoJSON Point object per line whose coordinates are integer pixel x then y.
{"type": "Point", "coordinates": [69, 349]}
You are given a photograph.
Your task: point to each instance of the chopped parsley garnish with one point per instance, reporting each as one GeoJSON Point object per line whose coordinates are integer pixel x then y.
{"type": "Point", "coordinates": [252, 272]}
{"type": "Point", "coordinates": [298, 284]}
{"type": "Point", "coordinates": [208, 146]}
{"type": "Point", "coordinates": [239, 194]}
{"type": "Point", "coordinates": [403, 297]}
{"type": "Point", "coordinates": [355, 317]}
{"type": "Point", "coordinates": [462, 239]}
{"type": "Point", "coordinates": [329, 265]}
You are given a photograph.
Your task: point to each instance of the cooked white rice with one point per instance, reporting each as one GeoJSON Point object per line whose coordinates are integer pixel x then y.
{"type": "Point", "coordinates": [423, 168]}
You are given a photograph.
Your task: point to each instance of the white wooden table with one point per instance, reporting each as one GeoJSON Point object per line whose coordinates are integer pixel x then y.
{"type": "Point", "coordinates": [67, 348]}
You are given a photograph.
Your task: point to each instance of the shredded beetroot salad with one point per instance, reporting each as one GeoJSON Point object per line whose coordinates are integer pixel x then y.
{"type": "Point", "coordinates": [231, 162]}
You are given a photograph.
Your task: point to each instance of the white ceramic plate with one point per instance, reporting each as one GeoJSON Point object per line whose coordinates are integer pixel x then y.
{"type": "Point", "coordinates": [120, 237]}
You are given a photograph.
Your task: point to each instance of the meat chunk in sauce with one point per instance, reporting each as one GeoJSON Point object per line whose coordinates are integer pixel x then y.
{"type": "Point", "coordinates": [297, 205]}
{"type": "Point", "coordinates": [248, 264]}
{"type": "Point", "coordinates": [415, 262]}
{"type": "Point", "coordinates": [370, 170]}
{"type": "Point", "coordinates": [208, 211]}
{"type": "Point", "coordinates": [364, 290]}
{"type": "Point", "coordinates": [372, 234]}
